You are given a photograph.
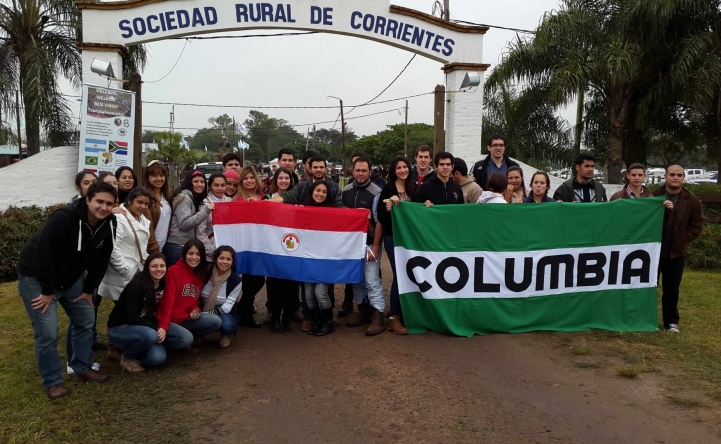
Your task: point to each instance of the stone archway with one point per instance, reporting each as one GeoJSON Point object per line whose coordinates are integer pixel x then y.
{"type": "Point", "coordinates": [108, 27]}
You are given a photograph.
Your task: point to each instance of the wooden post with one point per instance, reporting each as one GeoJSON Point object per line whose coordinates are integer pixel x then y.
{"type": "Point", "coordinates": [135, 86]}
{"type": "Point", "coordinates": [405, 144]}
{"type": "Point", "coordinates": [342, 127]}
{"type": "Point", "coordinates": [439, 133]}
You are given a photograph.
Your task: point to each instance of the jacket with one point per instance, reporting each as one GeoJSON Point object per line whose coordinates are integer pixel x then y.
{"type": "Point", "coordinates": [623, 194]}
{"type": "Point", "coordinates": [530, 199]}
{"type": "Point", "coordinates": [227, 296]}
{"type": "Point", "coordinates": [296, 194]}
{"type": "Point", "coordinates": [491, 197]}
{"type": "Point", "coordinates": [414, 175]}
{"type": "Point", "coordinates": [181, 295]}
{"type": "Point", "coordinates": [66, 247]}
{"type": "Point", "coordinates": [125, 259]}
{"type": "Point", "coordinates": [366, 196]}
{"type": "Point", "coordinates": [129, 309]}
{"type": "Point", "coordinates": [384, 216]}
{"type": "Point", "coordinates": [480, 169]}
{"type": "Point", "coordinates": [207, 227]}
{"type": "Point", "coordinates": [565, 191]}
{"type": "Point", "coordinates": [186, 223]}
{"type": "Point", "coordinates": [687, 220]}
{"type": "Point", "coordinates": [471, 190]}
{"type": "Point", "coordinates": [439, 193]}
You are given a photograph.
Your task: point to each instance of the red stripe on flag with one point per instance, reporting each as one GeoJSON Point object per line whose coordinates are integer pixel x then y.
{"type": "Point", "coordinates": [125, 144]}
{"type": "Point", "coordinates": [291, 216]}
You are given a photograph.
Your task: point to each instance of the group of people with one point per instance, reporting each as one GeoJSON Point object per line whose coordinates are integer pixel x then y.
{"type": "Point", "coordinates": [153, 252]}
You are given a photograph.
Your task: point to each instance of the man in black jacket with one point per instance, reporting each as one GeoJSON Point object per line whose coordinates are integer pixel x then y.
{"type": "Point", "coordinates": [75, 239]}
{"type": "Point", "coordinates": [318, 171]}
{"type": "Point", "coordinates": [440, 188]}
{"type": "Point", "coordinates": [422, 170]}
{"type": "Point", "coordinates": [286, 159]}
{"type": "Point", "coordinates": [495, 162]}
{"type": "Point", "coordinates": [582, 188]}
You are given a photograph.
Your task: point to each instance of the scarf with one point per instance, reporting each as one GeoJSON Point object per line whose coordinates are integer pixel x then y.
{"type": "Point", "coordinates": [216, 281]}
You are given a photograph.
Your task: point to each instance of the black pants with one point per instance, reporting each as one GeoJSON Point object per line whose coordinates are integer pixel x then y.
{"type": "Point", "coordinates": [282, 296]}
{"type": "Point", "coordinates": [671, 271]}
{"type": "Point", "coordinates": [251, 286]}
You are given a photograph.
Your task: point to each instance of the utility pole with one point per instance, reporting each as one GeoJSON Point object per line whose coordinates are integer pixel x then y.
{"type": "Point", "coordinates": [135, 85]}
{"type": "Point", "coordinates": [172, 119]}
{"type": "Point", "coordinates": [342, 127]}
{"type": "Point", "coordinates": [405, 149]}
{"type": "Point", "coordinates": [439, 133]}
{"type": "Point", "coordinates": [17, 118]}
{"type": "Point", "coordinates": [446, 11]}
{"type": "Point", "coordinates": [314, 139]}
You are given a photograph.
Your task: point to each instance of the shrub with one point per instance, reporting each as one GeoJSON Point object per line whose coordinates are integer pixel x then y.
{"type": "Point", "coordinates": [17, 225]}
{"type": "Point", "coordinates": [705, 252]}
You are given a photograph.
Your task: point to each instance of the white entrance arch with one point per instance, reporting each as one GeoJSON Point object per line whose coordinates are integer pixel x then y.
{"type": "Point", "coordinates": [110, 26]}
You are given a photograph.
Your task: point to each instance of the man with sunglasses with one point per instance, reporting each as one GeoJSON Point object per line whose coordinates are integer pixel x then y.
{"type": "Point", "coordinates": [495, 162]}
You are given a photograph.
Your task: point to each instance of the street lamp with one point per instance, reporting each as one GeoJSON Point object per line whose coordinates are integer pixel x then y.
{"type": "Point", "coordinates": [342, 127]}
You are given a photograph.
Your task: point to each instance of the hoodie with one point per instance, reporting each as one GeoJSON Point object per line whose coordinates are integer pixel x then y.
{"type": "Point", "coordinates": [491, 197]}
{"type": "Point", "coordinates": [438, 192]}
{"type": "Point", "coordinates": [67, 246]}
{"type": "Point", "coordinates": [181, 295]}
{"type": "Point", "coordinates": [471, 190]}
{"type": "Point", "coordinates": [414, 175]}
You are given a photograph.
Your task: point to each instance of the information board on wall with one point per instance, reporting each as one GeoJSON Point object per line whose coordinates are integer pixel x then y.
{"type": "Point", "coordinates": [106, 129]}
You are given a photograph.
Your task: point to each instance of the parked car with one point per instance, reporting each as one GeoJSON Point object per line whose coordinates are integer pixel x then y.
{"type": "Point", "coordinates": [209, 168]}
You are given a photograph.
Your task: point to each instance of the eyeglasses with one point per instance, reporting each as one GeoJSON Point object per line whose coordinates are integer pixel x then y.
{"type": "Point", "coordinates": [498, 145]}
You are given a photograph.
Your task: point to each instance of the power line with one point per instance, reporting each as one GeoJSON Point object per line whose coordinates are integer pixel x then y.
{"type": "Point", "coordinates": [174, 65]}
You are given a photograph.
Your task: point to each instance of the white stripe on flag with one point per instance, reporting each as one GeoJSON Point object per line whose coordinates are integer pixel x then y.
{"type": "Point", "coordinates": [493, 273]}
{"type": "Point", "coordinates": [260, 238]}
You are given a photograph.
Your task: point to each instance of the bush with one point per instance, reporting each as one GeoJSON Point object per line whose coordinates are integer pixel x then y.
{"type": "Point", "coordinates": [701, 189]}
{"type": "Point", "coordinates": [705, 252]}
{"type": "Point", "coordinates": [17, 225]}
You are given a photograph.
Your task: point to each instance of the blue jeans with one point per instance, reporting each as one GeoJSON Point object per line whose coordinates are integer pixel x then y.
{"type": "Point", "coordinates": [395, 297]}
{"type": "Point", "coordinates": [372, 278]}
{"type": "Point", "coordinates": [228, 324]}
{"type": "Point", "coordinates": [138, 342]}
{"type": "Point", "coordinates": [177, 337]}
{"type": "Point", "coordinates": [316, 295]}
{"type": "Point", "coordinates": [206, 324]}
{"type": "Point", "coordinates": [172, 252]}
{"type": "Point", "coordinates": [46, 328]}
{"type": "Point", "coordinates": [97, 299]}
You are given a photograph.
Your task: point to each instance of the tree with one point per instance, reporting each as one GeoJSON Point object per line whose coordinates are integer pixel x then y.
{"type": "Point", "coordinates": [39, 47]}
{"type": "Point", "coordinates": [173, 154]}
{"type": "Point", "coordinates": [149, 136]}
{"type": "Point", "coordinates": [386, 144]}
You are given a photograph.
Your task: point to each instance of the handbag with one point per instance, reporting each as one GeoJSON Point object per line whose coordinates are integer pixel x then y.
{"type": "Point", "coordinates": [137, 241]}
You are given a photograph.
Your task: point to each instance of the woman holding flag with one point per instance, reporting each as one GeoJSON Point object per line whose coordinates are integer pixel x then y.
{"type": "Point", "coordinates": [400, 187]}
{"type": "Point", "coordinates": [216, 193]}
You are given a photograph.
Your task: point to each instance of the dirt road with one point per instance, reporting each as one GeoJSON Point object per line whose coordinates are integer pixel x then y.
{"type": "Point", "coordinates": [348, 388]}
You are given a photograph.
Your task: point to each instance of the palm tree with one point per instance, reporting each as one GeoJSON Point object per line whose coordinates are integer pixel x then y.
{"type": "Point", "coordinates": [38, 46]}
{"type": "Point", "coordinates": [175, 156]}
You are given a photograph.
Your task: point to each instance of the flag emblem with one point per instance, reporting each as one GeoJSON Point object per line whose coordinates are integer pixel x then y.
{"type": "Point", "coordinates": [290, 242]}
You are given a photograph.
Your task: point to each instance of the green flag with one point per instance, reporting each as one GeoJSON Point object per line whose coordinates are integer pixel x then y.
{"type": "Point", "coordinates": [476, 269]}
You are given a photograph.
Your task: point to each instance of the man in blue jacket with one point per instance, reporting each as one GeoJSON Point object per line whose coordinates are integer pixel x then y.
{"type": "Point", "coordinates": [51, 269]}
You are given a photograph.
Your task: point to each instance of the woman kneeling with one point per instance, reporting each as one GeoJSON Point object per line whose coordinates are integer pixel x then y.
{"type": "Point", "coordinates": [221, 290]}
{"type": "Point", "coordinates": [133, 323]}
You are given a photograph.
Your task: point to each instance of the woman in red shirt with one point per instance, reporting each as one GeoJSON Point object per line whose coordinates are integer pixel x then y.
{"type": "Point", "coordinates": [180, 304]}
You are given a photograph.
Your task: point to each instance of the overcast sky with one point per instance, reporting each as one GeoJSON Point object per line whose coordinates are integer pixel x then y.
{"type": "Point", "coordinates": [303, 70]}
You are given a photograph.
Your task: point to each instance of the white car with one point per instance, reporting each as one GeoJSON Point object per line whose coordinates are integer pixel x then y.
{"type": "Point", "coordinates": [209, 168]}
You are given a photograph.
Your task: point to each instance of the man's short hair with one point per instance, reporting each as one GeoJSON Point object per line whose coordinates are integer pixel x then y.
{"type": "Point", "coordinates": [286, 151]}
{"type": "Point", "coordinates": [677, 165]}
{"type": "Point", "coordinates": [365, 159]}
{"type": "Point", "coordinates": [636, 166]}
{"type": "Point", "coordinates": [230, 156]}
{"type": "Point", "coordinates": [101, 187]}
{"type": "Point", "coordinates": [359, 154]}
{"type": "Point", "coordinates": [460, 166]}
{"type": "Point", "coordinates": [425, 148]}
{"type": "Point", "coordinates": [442, 155]}
{"type": "Point", "coordinates": [584, 157]}
{"type": "Point", "coordinates": [307, 155]}
{"type": "Point", "coordinates": [496, 137]}
{"type": "Point", "coordinates": [317, 158]}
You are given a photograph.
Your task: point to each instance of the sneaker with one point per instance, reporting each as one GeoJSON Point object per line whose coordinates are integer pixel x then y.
{"type": "Point", "coordinates": [673, 328]}
{"type": "Point", "coordinates": [70, 371]}
{"type": "Point", "coordinates": [131, 365]}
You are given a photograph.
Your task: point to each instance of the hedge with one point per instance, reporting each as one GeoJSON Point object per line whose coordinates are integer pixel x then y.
{"type": "Point", "coordinates": [17, 225]}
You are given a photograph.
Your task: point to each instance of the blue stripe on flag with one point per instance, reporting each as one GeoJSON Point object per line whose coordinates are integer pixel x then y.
{"type": "Point", "coordinates": [322, 271]}
{"type": "Point", "coordinates": [96, 141]}
{"type": "Point", "coordinates": [94, 150]}
{"type": "Point", "coordinates": [121, 152]}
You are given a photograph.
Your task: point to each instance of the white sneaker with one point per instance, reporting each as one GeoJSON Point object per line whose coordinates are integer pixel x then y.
{"type": "Point", "coordinates": [673, 328]}
{"type": "Point", "coordinates": [70, 371]}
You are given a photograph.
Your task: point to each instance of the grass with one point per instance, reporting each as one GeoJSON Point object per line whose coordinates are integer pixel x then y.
{"type": "Point", "coordinates": [686, 403]}
{"type": "Point", "coordinates": [627, 371]}
{"type": "Point", "coordinates": [129, 408]}
{"type": "Point", "coordinates": [581, 348]}
{"type": "Point", "coordinates": [586, 365]}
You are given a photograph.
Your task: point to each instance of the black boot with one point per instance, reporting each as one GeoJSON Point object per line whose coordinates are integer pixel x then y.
{"type": "Point", "coordinates": [326, 326]}
{"type": "Point", "coordinates": [275, 321]}
{"type": "Point", "coordinates": [347, 307]}
{"type": "Point", "coordinates": [249, 321]}
{"type": "Point", "coordinates": [286, 318]}
{"type": "Point", "coordinates": [315, 316]}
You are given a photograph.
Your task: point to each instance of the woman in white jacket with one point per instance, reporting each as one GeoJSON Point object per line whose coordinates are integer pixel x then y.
{"type": "Point", "coordinates": [130, 247]}
{"type": "Point", "coordinates": [216, 193]}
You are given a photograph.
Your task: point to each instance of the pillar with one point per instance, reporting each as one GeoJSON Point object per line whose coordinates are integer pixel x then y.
{"type": "Point", "coordinates": [112, 54]}
{"type": "Point", "coordinates": [464, 112]}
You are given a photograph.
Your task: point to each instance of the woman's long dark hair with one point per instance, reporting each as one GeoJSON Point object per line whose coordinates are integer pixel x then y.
{"type": "Point", "coordinates": [308, 199]}
{"type": "Point", "coordinates": [151, 305]}
{"type": "Point", "coordinates": [222, 249]}
{"type": "Point", "coordinates": [122, 194]}
{"type": "Point", "coordinates": [523, 181]}
{"type": "Point", "coordinates": [274, 181]}
{"type": "Point", "coordinates": [410, 184]}
{"type": "Point", "coordinates": [203, 265]}
{"type": "Point", "coordinates": [188, 185]}
{"type": "Point", "coordinates": [153, 169]}
{"type": "Point", "coordinates": [210, 183]}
